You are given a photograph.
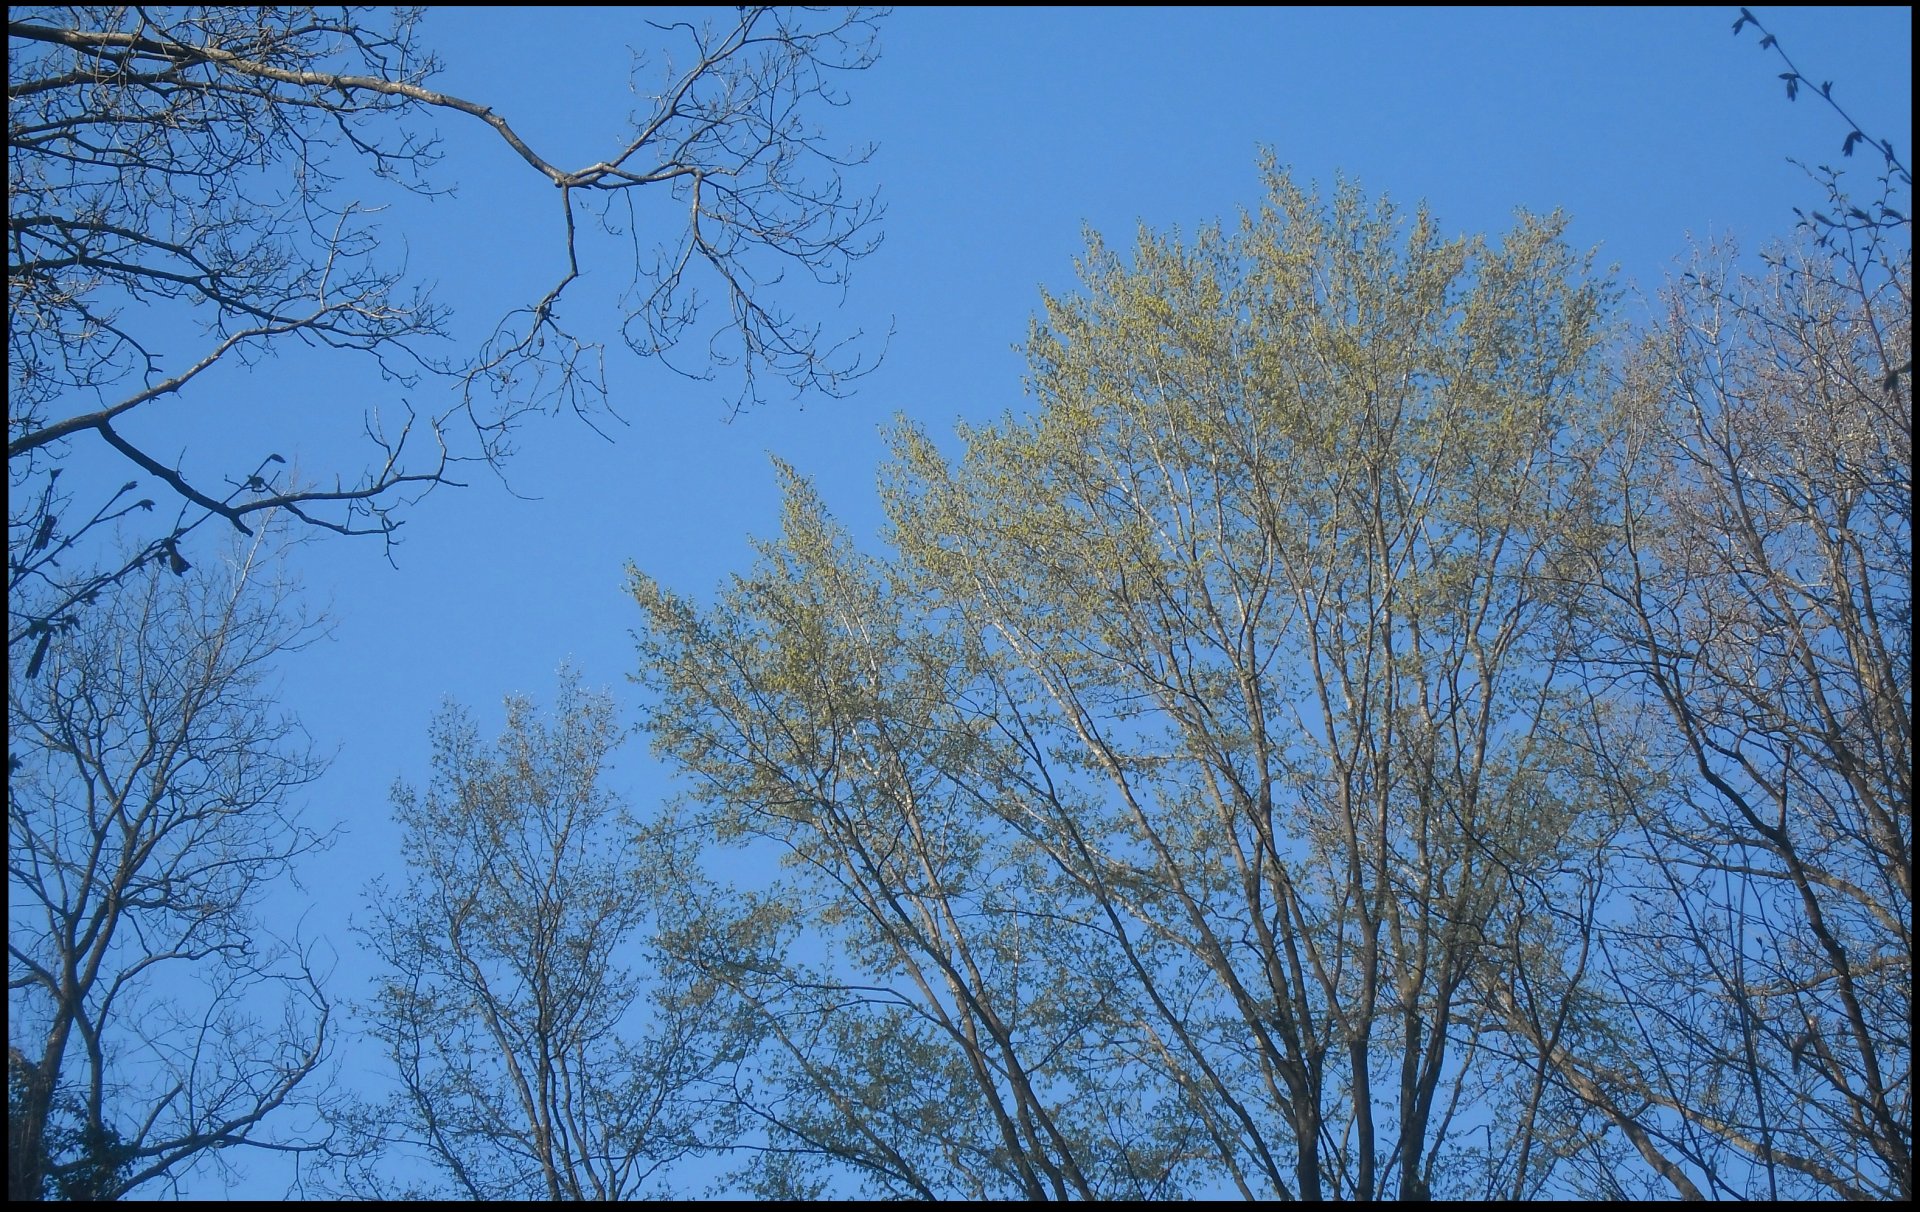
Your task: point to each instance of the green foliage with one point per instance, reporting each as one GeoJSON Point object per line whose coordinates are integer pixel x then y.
{"type": "Point", "coordinates": [1174, 784]}
{"type": "Point", "coordinates": [76, 1160]}
{"type": "Point", "coordinates": [514, 983]}
{"type": "Point", "coordinates": [1366, 732]}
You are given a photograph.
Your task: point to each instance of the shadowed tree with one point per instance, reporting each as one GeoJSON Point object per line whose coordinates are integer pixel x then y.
{"type": "Point", "coordinates": [1736, 999]}
{"type": "Point", "coordinates": [1756, 594]}
{"type": "Point", "coordinates": [151, 1020]}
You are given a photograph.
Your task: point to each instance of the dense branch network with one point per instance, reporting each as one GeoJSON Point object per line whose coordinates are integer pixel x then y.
{"type": "Point", "coordinates": [148, 811]}
{"type": "Point", "coordinates": [190, 166]}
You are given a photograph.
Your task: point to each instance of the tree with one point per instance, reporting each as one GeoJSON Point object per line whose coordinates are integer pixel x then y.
{"type": "Point", "coordinates": [513, 978]}
{"type": "Point", "coordinates": [152, 1021]}
{"type": "Point", "coordinates": [1757, 594]}
{"type": "Point", "coordinates": [209, 166]}
{"type": "Point", "coordinates": [1209, 736]}
{"type": "Point", "coordinates": [1750, 968]}
{"type": "Point", "coordinates": [1745, 974]}
{"type": "Point", "coordinates": [925, 1054]}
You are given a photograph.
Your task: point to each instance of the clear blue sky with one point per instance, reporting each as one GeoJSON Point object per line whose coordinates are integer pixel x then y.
{"type": "Point", "coordinates": [1000, 135]}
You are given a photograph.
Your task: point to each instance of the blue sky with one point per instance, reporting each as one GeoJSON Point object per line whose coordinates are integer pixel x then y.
{"type": "Point", "coordinates": [1001, 135]}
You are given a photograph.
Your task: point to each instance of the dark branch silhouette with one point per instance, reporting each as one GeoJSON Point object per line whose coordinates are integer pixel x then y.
{"type": "Point", "coordinates": [199, 165]}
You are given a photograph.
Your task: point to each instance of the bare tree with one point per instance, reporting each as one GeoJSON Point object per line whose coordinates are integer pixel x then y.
{"type": "Point", "coordinates": [209, 166]}
{"type": "Point", "coordinates": [1732, 994]}
{"type": "Point", "coordinates": [1752, 981]}
{"type": "Point", "coordinates": [510, 1008]}
{"type": "Point", "coordinates": [151, 1020]}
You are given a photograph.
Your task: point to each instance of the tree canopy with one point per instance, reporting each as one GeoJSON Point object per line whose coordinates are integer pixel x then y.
{"type": "Point", "coordinates": [1385, 720]}
{"type": "Point", "coordinates": [1343, 743]}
